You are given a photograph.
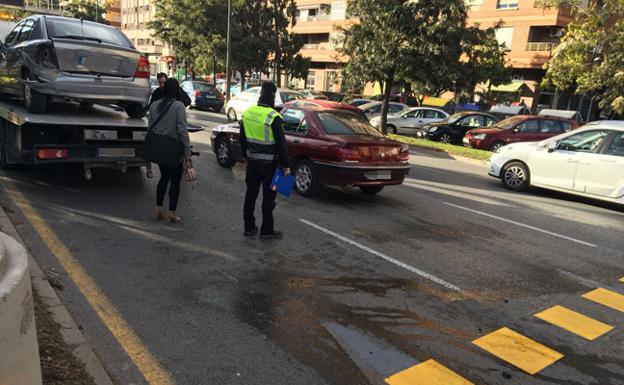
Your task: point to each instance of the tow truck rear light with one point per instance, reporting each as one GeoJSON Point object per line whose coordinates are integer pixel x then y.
{"type": "Point", "coordinates": [52, 153]}
{"type": "Point", "coordinates": [143, 68]}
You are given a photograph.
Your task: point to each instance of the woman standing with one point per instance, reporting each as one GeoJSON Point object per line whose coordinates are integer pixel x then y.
{"type": "Point", "coordinates": [171, 123]}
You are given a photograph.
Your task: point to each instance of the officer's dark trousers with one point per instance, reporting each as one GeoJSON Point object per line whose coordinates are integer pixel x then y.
{"type": "Point", "coordinates": [259, 174]}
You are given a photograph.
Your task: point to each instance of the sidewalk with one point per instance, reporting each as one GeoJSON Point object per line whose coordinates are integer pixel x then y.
{"type": "Point", "coordinates": [66, 357]}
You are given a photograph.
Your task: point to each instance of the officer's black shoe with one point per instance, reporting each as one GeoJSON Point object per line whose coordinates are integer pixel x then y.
{"type": "Point", "coordinates": [271, 236]}
{"type": "Point", "coordinates": [252, 232]}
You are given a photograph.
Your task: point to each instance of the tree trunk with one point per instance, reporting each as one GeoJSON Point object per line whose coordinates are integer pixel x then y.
{"type": "Point", "coordinates": [386, 102]}
{"type": "Point", "coordinates": [243, 81]}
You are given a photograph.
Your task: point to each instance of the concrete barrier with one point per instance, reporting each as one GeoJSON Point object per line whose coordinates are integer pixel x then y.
{"type": "Point", "coordinates": [19, 352]}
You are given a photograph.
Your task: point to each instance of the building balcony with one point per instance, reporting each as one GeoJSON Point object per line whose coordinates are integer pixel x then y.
{"type": "Point", "coordinates": [541, 46]}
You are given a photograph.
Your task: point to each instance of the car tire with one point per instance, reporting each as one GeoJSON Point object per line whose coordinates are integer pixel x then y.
{"type": "Point", "coordinates": [445, 137]}
{"type": "Point", "coordinates": [135, 110]}
{"type": "Point", "coordinates": [34, 101]}
{"type": "Point", "coordinates": [496, 146]}
{"type": "Point", "coordinates": [515, 176]}
{"type": "Point", "coordinates": [392, 129]}
{"type": "Point", "coordinates": [231, 115]}
{"type": "Point", "coordinates": [371, 190]}
{"type": "Point", "coordinates": [306, 179]}
{"type": "Point", "coordinates": [223, 152]}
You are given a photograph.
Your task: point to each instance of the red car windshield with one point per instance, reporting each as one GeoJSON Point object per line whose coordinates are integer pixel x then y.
{"type": "Point", "coordinates": [346, 123]}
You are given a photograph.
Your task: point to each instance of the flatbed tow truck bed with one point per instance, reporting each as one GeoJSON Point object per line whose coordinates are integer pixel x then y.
{"type": "Point", "coordinates": [97, 136]}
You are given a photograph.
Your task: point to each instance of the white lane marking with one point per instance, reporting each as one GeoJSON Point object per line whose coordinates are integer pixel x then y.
{"type": "Point", "coordinates": [382, 256]}
{"type": "Point", "coordinates": [521, 225]}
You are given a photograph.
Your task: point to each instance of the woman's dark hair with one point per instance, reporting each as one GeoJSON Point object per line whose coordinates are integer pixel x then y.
{"type": "Point", "coordinates": [170, 91]}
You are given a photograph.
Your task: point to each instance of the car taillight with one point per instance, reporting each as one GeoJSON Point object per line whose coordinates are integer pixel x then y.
{"type": "Point", "coordinates": [404, 154]}
{"type": "Point", "coordinates": [46, 56]}
{"type": "Point", "coordinates": [220, 96]}
{"type": "Point", "coordinates": [52, 153]}
{"type": "Point", "coordinates": [197, 93]}
{"type": "Point", "coordinates": [349, 155]}
{"type": "Point", "coordinates": [143, 68]}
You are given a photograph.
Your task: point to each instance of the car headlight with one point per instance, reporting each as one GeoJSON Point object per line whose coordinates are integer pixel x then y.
{"type": "Point", "coordinates": [433, 129]}
{"type": "Point", "coordinates": [479, 136]}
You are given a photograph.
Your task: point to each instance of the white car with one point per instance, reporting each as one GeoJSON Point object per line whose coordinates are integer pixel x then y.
{"type": "Point", "coordinates": [248, 98]}
{"type": "Point", "coordinates": [407, 121]}
{"type": "Point", "coordinates": [588, 161]}
{"type": "Point", "coordinates": [373, 109]}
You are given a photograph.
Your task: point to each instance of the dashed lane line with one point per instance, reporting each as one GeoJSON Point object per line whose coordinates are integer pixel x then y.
{"type": "Point", "coordinates": [574, 322]}
{"type": "Point", "coordinates": [607, 298]}
{"type": "Point", "coordinates": [521, 225]}
{"type": "Point", "coordinates": [383, 256]}
{"type": "Point", "coordinates": [428, 373]}
{"type": "Point", "coordinates": [518, 350]}
{"type": "Point", "coordinates": [145, 362]}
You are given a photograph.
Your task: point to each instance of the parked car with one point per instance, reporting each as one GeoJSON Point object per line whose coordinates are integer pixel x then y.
{"type": "Point", "coordinates": [325, 104]}
{"type": "Point", "coordinates": [524, 128]}
{"type": "Point", "coordinates": [453, 129]}
{"type": "Point", "coordinates": [503, 112]}
{"type": "Point", "coordinates": [241, 102]}
{"type": "Point", "coordinates": [357, 101]}
{"type": "Point", "coordinates": [588, 162]}
{"type": "Point", "coordinates": [203, 95]}
{"type": "Point", "coordinates": [153, 83]}
{"type": "Point", "coordinates": [328, 147]}
{"type": "Point", "coordinates": [47, 58]}
{"type": "Point", "coordinates": [311, 94]}
{"type": "Point", "coordinates": [566, 114]}
{"type": "Point", "coordinates": [409, 120]}
{"type": "Point", "coordinates": [373, 109]}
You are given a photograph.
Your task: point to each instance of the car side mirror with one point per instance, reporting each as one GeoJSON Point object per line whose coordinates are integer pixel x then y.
{"type": "Point", "coordinates": [552, 146]}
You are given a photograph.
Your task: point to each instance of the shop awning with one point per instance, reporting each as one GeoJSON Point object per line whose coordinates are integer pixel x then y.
{"type": "Point", "coordinates": [510, 87]}
{"type": "Point", "coordinates": [435, 102]}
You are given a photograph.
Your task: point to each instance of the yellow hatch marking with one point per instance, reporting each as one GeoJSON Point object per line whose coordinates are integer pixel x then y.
{"type": "Point", "coordinates": [574, 322]}
{"type": "Point", "coordinates": [518, 350]}
{"type": "Point", "coordinates": [607, 298]}
{"type": "Point", "coordinates": [106, 311]}
{"type": "Point", "coordinates": [428, 373]}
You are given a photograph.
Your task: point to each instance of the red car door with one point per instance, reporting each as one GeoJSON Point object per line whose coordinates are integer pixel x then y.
{"type": "Point", "coordinates": [296, 130]}
{"type": "Point", "coordinates": [527, 131]}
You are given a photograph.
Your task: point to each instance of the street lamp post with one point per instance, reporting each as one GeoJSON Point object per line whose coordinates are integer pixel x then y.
{"type": "Point", "coordinates": [228, 65]}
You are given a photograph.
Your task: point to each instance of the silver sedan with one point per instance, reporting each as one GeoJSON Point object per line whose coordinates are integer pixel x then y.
{"type": "Point", "coordinates": [48, 58]}
{"type": "Point", "coordinates": [407, 121]}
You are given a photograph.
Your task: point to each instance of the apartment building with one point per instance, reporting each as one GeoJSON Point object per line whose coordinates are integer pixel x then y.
{"type": "Point", "coordinates": [530, 33]}
{"type": "Point", "coordinates": [113, 13]}
{"type": "Point", "coordinates": [135, 18]}
{"type": "Point", "coordinates": [317, 24]}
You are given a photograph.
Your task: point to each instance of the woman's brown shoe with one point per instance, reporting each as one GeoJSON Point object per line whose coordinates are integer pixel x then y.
{"type": "Point", "coordinates": [173, 218]}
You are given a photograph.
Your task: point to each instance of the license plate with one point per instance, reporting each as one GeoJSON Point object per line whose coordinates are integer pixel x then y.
{"type": "Point", "coordinates": [116, 153]}
{"type": "Point", "coordinates": [100, 135]}
{"type": "Point", "coordinates": [379, 175]}
{"type": "Point", "coordinates": [210, 97]}
{"type": "Point", "coordinates": [466, 141]}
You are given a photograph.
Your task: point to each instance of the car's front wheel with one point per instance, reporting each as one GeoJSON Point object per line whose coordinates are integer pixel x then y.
{"type": "Point", "coordinates": [231, 115]}
{"type": "Point", "coordinates": [445, 137]}
{"type": "Point", "coordinates": [515, 176]}
{"type": "Point", "coordinates": [371, 190]}
{"type": "Point", "coordinates": [135, 110]}
{"type": "Point", "coordinates": [223, 151]}
{"type": "Point", "coordinates": [306, 179]}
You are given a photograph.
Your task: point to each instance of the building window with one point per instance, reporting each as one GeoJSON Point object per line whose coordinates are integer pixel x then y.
{"type": "Point", "coordinates": [311, 80]}
{"type": "Point", "coordinates": [507, 4]}
{"type": "Point", "coordinates": [505, 36]}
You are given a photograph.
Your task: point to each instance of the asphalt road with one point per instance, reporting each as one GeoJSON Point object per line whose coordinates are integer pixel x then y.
{"type": "Point", "coordinates": [360, 288]}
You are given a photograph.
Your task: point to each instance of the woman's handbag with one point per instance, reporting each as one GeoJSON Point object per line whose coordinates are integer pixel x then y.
{"type": "Point", "coordinates": [190, 175]}
{"type": "Point", "coordinates": [161, 149]}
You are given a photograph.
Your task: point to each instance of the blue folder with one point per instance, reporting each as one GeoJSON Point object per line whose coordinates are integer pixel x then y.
{"type": "Point", "coordinates": [281, 183]}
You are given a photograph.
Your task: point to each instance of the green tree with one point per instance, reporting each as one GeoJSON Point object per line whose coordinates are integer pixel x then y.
{"type": "Point", "coordinates": [590, 58]}
{"type": "Point", "coordinates": [87, 10]}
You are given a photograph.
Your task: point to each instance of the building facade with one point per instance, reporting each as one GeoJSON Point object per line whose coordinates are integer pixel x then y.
{"type": "Point", "coordinates": [135, 18]}
{"type": "Point", "coordinates": [113, 13]}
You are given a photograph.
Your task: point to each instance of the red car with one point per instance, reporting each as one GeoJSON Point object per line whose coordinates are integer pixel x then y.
{"type": "Point", "coordinates": [328, 147]}
{"type": "Point", "coordinates": [325, 104]}
{"type": "Point", "coordinates": [522, 128]}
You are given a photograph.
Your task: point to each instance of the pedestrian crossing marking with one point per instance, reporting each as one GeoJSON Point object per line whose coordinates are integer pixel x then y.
{"type": "Point", "coordinates": [518, 350]}
{"type": "Point", "coordinates": [428, 373]}
{"type": "Point", "coordinates": [574, 322]}
{"type": "Point", "coordinates": [607, 298]}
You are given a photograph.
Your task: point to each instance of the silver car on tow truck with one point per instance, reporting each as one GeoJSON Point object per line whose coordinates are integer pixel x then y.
{"type": "Point", "coordinates": [50, 58]}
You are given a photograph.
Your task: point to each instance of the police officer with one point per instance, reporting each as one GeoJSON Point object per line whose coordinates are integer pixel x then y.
{"type": "Point", "coordinates": [264, 146]}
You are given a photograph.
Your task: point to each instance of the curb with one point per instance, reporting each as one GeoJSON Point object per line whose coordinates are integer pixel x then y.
{"type": "Point", "coordinates": [70, 332]}
{"type": "Point", "coordinates": [441, 153]}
